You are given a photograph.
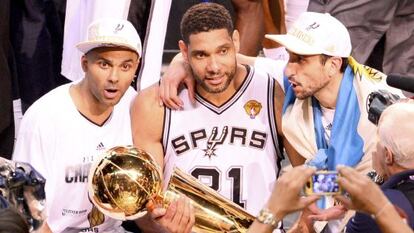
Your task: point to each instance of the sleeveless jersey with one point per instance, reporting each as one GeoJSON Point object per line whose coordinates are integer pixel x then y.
{"type": "Point", "coordinates": [232, 148]}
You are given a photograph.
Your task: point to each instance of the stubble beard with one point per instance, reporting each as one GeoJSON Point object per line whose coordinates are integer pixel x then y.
{"type": "Point", "coordinates": [229, 77]}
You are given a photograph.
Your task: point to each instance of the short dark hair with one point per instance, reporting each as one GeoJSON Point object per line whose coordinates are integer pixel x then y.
{"type": "Point", "coordinates": [324, 58]}
{"type": "Point", "coordinates": [204, 17]}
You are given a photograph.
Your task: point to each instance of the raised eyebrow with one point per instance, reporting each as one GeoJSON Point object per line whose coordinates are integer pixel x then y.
{"type": "Point", "coordinates": [105, 60]}
{"type": "Point", "coordinates": [128, 60]}
{"type": "Point", "coordinates": [224, 46]}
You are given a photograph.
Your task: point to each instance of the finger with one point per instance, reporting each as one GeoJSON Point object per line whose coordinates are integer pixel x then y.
{"type": "Point", "coordinates": [344, 201]}
{"type": "Point", "coordinates": [186, 213]}
{"type": "Point", "coordinates": [189, 82]}
{"type": "Point", "coordinates": [157, 213]}
{"type": "Point", "coordinates": [176, 220]}
{"type": "Point", "coordinates": [192, 219]}
{"type": "Point", "coordinates": [174, 97]}
{"type": "Point", "coordinates": [186, 219]}
{"type": "Point", "coordinates": [348, 173]}
{"type": "Point", "coordinates": [307, 201]}
{"type": "Point", "coordinates": [169, 98]}
{"type": "Point", "coordinates": [301, 173]}
{"type": "Point", "coordinates": [307, 172]}
{"type": "Point", "coordinates": [347, 185]}
{"type": "Point", "coordinates": [171, 210]}
{"type": "Point", "coordinates": [331, 213]}
{"type": "Point", "coordinates": [177, 102]}
{"type": "Point", "coordinates": [314, 209]}
{"type": "Point", "coordinates": [161, 93]}
{"type": "Point", "coordinates": [314, 217]}
{"type": "Point", "coordinates": [150, 206]}
{"type": "Point", "coordinates": [296, 177]}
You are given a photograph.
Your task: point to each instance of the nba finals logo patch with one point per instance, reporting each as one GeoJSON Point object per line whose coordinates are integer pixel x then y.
{"type": "Point", "coordinates": [252, 108]}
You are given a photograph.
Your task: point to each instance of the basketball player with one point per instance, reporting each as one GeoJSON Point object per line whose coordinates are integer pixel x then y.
{"type": "Point", "coordinates": [227, 138]}
{"type": "Point", "coordinates": [65, 130]}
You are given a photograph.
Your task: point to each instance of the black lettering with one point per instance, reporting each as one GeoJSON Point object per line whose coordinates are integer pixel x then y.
{"type": "Point", "coordinates": [213, 173]}
{"type": "Point", "coordinates": [238, 133]}
{"type": "Point", "coordinates": [69, 175]}
{"type": "Point", "coordinates": [84, 177]}
{"type": "Point", "coordinates": [197, 135]}
{"type": "Point", "coordinates": [258, 139]}
{"type": "Point", "coordinates": [77, 174]}
{"type": "Point", "coordinates": [180, 145]}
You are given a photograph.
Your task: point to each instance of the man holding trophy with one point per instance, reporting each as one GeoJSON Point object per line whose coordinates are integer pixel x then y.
{"type": "Point", "coordinates": [228, 138]}
{"type": "Point", "coordinates": [63, 132]}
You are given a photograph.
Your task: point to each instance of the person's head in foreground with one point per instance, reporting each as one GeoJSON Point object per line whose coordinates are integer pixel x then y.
{"type": "Point", "coordinates": [394, 150]}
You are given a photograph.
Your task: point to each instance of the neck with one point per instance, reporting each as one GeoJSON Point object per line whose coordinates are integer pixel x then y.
{"type": "Point", "coordinates": [220, 98]}
{"type": "Point", "coordinates": [88, 105]}
{"type": "Point", "coordinates": [328, 95]}
{"type": "Point", "coordinates": [396, 168]}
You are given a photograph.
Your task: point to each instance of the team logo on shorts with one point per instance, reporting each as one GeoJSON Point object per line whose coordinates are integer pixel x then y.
{"type": "Point", "coordinates": [252, 108]}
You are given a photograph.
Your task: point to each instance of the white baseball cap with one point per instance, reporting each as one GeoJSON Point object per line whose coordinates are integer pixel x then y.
{"type": "Point", "coordinates": [316, 33]}
{"type": "Point", "coordinates": [110, 32]}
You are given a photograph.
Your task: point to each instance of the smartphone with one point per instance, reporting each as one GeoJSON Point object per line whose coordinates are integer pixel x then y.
{"type": "Point", "coordinates": [323, 183]}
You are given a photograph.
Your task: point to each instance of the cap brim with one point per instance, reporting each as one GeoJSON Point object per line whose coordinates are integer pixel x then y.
{"type": "Point", "coordinates": [85, 47]}
{"type": "Point", "coordinates": [293, 44]}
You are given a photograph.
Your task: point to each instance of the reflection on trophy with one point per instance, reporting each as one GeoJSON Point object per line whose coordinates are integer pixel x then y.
{"type": "Point", "coordinates": [125, 178]}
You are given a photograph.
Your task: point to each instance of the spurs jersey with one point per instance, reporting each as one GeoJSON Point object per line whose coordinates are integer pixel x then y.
{"type": "Point", "coordinates": [232, 148]}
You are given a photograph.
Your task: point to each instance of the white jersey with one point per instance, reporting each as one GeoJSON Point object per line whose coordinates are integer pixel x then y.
{"type": "Point", "coordinates": [60, 143]}
{"type": "Point", "coordinates": [232, 148]}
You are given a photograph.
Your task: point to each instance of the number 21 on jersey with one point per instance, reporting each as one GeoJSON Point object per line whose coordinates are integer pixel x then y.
{"type": "Point", "coordinates": [212, 177]}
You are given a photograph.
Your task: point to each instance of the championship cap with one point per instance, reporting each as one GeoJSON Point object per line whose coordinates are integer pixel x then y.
{"type": "Point", "coordinates": [316, 33]}
{"type": "Point", "coordinates": [110, 32]}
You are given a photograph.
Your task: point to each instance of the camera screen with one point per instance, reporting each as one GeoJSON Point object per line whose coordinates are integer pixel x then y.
{"type": "Point", "coordinates": [325, 183]}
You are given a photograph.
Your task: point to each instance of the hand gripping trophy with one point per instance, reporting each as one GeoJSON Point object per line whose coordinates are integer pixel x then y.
{"type": "Point", "coordinates": [125, 179]}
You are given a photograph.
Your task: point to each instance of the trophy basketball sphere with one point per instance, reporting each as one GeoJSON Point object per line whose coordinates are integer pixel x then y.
{"type": "Point", "coordinates": [121, 182]}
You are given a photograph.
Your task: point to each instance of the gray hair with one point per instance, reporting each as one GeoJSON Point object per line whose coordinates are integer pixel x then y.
{"type": "Point", "coordinates": [396, 130]}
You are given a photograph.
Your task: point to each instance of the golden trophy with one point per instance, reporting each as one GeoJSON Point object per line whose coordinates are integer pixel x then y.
{"type": "Point", "coordinates": [125, 178]}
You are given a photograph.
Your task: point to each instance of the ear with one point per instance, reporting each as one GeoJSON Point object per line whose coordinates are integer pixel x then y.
{"type": "Point", "coordinates": [236, 40]}
{"type": "Point", "coordinates": [389, 157]}
{"type": "Point", "coordinates": [183, 49]}
{"type": "Point", "coordinates": [334, 65]}
{"type": "Point", "coordinates": [84, 63]}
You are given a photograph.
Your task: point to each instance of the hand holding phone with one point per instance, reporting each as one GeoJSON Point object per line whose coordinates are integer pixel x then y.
{"type": "Point", "coordinates": [323, 183]}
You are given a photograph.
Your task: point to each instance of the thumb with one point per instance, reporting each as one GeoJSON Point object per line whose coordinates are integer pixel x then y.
{"type": "Point", "coordinates": [344, 201]}
{"type": "Point", "coordinates": [157, 212]}
{"type": "Point", "coordinates": [315, 217]}
{"type": "Point", "coordinates": [309, 200]}
{"type": "Point", "coordinates": [190, 83]}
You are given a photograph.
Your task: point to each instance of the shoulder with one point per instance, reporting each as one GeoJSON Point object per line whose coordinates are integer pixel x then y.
{"type": "Point", "coordinates": [146, 102]}
{"type": "Point", "coordinates": [361, 223]}
{"type": "Point", "coordinates": [273, 68]}
{"type": "Point", "coordinates": [147, 96]}
{"type": "Point", "coordinates": [49, 103]}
